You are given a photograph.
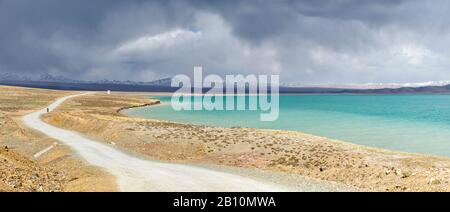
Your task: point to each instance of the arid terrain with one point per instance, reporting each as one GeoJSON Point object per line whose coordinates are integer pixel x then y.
{"type": "Point", "coordinates": [98, 116]}
{"type": "Point", "coordinates": [31, 161]}
{"type": "Point", "coordinates": [24, 163]}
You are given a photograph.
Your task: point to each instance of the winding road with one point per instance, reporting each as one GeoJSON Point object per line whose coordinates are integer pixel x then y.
{"type": "Point", "coordinates": [135, 174]}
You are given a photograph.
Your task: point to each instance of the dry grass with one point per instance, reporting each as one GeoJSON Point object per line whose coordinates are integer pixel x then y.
{"type": "Point", "coordinates": [57, 170]}
{"type": "Point", "coordinates": [281, 151]}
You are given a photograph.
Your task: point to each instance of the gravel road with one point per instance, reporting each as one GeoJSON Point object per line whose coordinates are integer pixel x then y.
{"type": "Point", "coordinates": [136, 174]}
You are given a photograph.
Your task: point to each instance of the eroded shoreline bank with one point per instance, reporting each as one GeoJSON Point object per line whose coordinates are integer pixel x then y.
{"type": "Point", "coordinates": [279, 151]}
{"type": "Point", "coordinates": [126, 112]}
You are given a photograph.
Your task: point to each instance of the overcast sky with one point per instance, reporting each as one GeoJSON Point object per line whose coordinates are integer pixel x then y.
{"type": "Point", "coordinates": [305, 41]}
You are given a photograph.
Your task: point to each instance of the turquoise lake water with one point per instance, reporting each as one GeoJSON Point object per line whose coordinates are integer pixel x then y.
{"type": "Point", "coordinates": [412, 123]}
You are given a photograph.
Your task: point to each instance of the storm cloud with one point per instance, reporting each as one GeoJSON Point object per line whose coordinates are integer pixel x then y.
{"type": "Point", "coordinates": [305, 41]}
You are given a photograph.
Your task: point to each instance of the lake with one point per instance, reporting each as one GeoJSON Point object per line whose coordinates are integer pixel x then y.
{"type": "Point", "coordinates": [411, 123]}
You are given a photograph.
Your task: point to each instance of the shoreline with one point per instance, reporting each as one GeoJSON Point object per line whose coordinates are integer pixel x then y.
{"type": "Point", "coordinates": [139, 106]}
{"type": "Point", "coordinates": [122, 111]}
{"type": "Point", "coordinates": [289, 152]}
{"type": "Point", "coordinates": [135, 174]}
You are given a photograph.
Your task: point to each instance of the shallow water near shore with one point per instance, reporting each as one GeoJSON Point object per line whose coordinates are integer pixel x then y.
{"type": "Point", "coordinates": [411, 123]}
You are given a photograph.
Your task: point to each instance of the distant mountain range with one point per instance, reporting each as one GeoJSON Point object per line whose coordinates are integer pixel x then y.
{"type": "Point", "coordinates": [60, 79]}
{"type": "Point", "coordinates": [163, 85]}
{"type": "Point", "coordinates": [372, 85]}
{"type": "Point", "coordinates": [58, 82]}
{"type": "Point", "coordinates": [13, 77]}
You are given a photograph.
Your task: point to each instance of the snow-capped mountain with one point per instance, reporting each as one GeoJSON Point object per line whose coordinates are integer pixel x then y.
{"type": "Point", "coordinates": [61, 79]}
{"type": "Point", "coordinates": [165, 82]}
{"type": "Point", "coordinates": [370, 85]}
{"type": "Point", "coordinates": [51, 78]}
{"type": "Point", "coordinates": [47, 79]}
{"type": "Point", "coordinates": [12, 77]}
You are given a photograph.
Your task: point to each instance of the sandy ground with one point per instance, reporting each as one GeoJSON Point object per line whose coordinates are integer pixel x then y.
{"type": "Point", "coordinates": [284, 152]}
{"type": "Point", "coordinates": [246, 152]}
{"type": "Point", "coordinates": [58, 169]}
{"type": "Point", "coordinates": [136, 174]}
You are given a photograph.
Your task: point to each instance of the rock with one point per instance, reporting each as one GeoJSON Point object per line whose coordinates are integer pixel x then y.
{"type": "Point", "coordinates": [434, 181]}
{"type": "Point", "coordinates": [398, 172]}
{"type": "Point", "coordinates": [406, 174]}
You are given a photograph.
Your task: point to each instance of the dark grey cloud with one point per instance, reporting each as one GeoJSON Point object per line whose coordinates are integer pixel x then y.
{"type": "Point", "coordinates": [306, 41]}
